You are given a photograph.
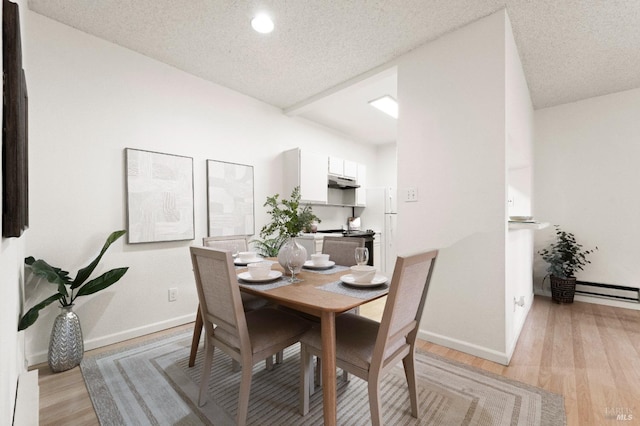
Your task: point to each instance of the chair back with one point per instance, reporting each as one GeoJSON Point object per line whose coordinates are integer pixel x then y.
{"type": "Point", "coordinates": [219, 296]}
{"type": "Point", "coordinates": [404, 306]}
{"type": "Point", "coordinates": [226, 243]}
{"type": "Point", "coordinates": [342, 250]}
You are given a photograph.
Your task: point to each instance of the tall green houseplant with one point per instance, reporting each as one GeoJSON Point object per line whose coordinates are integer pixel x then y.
{"type": "Point", "coordinates": [564, 256]}
{"type": "Point", "coordinates": [66, 345]}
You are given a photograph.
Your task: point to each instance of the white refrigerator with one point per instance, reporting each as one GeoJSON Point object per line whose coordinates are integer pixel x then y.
{"type": "Point", "coordinates": [381, 215]}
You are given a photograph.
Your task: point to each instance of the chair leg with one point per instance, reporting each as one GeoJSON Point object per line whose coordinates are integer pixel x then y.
{"type": "Point", "coordinates": [410, 372]}
{"type": "Point", "coordinates": [268, 363]}
{"type": "Point", "coordinates": [279, 357]}
{"type": "Point", "coordinates": [318, 378]}
{"type": "Point", "coordinates": [206, 371]}
{"type": "Point", "coordinates": [306, 382]}
{"type": "Point", "coordinates": [195, 341]}
{"type": "Point", "coordinates": [243, 397]}
{"type": "Point", "coordinates": [374, 401]}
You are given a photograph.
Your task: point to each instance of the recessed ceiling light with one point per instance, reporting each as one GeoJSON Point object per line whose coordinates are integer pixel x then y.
{"type": "Point", "coordinates": [262, 24]}
{"type": "Point", "coordinates": [386, 104]}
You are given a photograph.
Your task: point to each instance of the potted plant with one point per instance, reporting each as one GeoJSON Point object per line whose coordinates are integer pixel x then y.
{"type": "Point", "coordinates": [288, 220]}
{"type": "Point", "coordinates": [565, 257]}
{"type": "Point", "coordinates": [66, 346]}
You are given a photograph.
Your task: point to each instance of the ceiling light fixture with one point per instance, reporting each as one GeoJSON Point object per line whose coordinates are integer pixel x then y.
{"type": "Point", "coordinates": [386, 104]}
{"type": "Point", "coordinates": [262, 24]}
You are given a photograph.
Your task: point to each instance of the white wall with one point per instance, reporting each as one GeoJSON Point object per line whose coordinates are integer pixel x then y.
{"type": "Point", "coordinates": [586, 180]}
{"type": "Point", "coordinates": [519, 167]}
{"type": "Point", "coordinates": [11, 279]}
{"type": "Point", "coordinates": [91, 99]}
{"type": "Point", "coordinates": [451, 146]}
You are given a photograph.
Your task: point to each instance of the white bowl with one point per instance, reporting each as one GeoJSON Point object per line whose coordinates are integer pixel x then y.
{"type": "Point", "coordinates": [363, 273]}
{"type": "Point", "coordinates": [259, 270]}
{"type": "Point", "coordinates": [320, 259]}
{"type": "Point", "coordinates": [246, 255]}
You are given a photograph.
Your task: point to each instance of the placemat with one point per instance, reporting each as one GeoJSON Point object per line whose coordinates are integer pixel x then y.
{"type": "Point", "coordinates": [332, 270]}
{"type": "Point", "coordinates": [361, 293]}
{"type": "Point", "coordinates": [280, 282]}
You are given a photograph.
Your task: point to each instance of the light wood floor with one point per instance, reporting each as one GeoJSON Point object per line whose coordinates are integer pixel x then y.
{"type": "Point", "coordinates": [588, 353]}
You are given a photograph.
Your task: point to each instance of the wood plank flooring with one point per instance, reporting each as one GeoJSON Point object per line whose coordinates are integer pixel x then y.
{"type": "Point", "coordinates": [588, 353]}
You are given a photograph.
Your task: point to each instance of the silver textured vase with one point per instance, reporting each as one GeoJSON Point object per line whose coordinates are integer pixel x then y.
{"type": "Point", "coordinates": [292, 251]}
{"type": "Point", "coordinates": [66, 346]}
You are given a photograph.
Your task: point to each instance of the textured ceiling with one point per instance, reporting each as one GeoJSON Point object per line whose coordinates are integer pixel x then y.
{"type": "Point", "coordinates": [570, 49]}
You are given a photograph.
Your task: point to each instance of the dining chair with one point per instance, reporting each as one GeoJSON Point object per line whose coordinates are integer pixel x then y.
{"type": "Point", "coordinates": [249, 302]}
{"type": "Point", "coordinates": [341, 249]}
{"type": "Point", "coordinates": [369, 349]}
{"type": "Point", "coordinates": [246, 337]}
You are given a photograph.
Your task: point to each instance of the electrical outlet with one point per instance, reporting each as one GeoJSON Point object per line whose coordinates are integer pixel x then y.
{"type": "Point", "coordinates": [173, 294]}
{"type": "Point", "coordinates": [411, 195]}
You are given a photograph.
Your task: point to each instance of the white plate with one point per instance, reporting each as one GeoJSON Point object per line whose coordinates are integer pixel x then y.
{"type": "Point", "coordinates": [273, 275]}
{"type": "Point", "coordinates": [376, 281]}
{"type": "Point", "coordinates": [246, 262]}
{"type": "Point", "coordinates": [310, 265]}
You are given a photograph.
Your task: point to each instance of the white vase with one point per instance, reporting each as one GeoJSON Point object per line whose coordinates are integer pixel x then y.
{"type": "Point", "coordinates": [298, 256]}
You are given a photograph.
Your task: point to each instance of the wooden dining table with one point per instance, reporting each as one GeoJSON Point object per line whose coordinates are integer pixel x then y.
{"type": "Point", "coordinates": [309, 297]}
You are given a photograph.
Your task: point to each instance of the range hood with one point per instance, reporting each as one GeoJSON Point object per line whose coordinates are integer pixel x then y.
{"type": "Point", "coordinates": [340, 182]}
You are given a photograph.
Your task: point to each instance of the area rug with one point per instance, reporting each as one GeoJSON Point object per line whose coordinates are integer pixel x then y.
{"type": "Point", "coordinates": [151, 384]}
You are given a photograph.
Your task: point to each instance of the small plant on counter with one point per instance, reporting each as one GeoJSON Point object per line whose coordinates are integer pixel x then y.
{"type": "Point", "coordinates": [67, 289]}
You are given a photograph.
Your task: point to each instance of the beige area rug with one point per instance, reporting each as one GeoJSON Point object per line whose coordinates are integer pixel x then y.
{"type": "Point", "coordinates": [151, 384]}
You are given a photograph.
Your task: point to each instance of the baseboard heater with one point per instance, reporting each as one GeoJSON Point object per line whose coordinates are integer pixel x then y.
{"type": "Point", "coordinates": [609, 291]}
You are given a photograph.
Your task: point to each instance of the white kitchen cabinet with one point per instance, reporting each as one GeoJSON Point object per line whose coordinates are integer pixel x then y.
{"type": "Point", "coordinates": [361, 193]}
{"type": "Point", "coordinates": [336, 166]}
{"type": "Point", "coordinates": [377, 253]}
{"type": "Point", "coordinates": [350, 169]}
{"type": "Point", "coordinates": [307, 170]}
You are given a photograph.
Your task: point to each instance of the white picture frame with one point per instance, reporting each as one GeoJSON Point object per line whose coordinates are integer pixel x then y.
{"type": "Point", "coordinates": [160, 204]}
{"type": "Point", "coordinates": [230, 199]}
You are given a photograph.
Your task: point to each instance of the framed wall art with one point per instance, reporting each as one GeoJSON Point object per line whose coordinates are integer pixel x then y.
{"type": "Point", "coordinates": [230, 203]}
{"type": "Point", "coordinates": [15, 173]}
{"type": "Point", "coordinates": [159, 197]}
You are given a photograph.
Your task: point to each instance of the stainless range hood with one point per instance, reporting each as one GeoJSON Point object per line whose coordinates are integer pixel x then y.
{"type": "Point", "coordinates": [340, 182]}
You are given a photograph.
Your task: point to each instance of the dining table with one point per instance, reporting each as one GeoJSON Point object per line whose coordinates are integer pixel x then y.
{"type": "Point", "coordinates": [321, 293]}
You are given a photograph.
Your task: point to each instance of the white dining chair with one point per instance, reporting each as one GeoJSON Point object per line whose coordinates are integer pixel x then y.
{"type": "Point", "coordinates": [249, 301]}
{"type": "Point", "coordinates": [369, 349]}
{"type": "Point", "coordinates": [246, 337]}
{"type": "Point", "coordinates": [342, 249]}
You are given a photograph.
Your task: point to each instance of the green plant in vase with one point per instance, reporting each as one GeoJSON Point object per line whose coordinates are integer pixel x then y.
{"type": "Point", "coordinates": [288, 219]}
{"type": "Point", "coordinates": [66, 346]}
{"type": "Point", "coordinates": [565, 256]}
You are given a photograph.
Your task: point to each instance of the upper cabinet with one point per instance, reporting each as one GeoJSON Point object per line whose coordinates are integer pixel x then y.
{"type": "Point", "coordinates": [307, 170]}
{"type": "Point", "coordinates": [311, 172]}
{"type": "Point", "coordinates": [361, 193]}
{"type": "Point", "coordinates": [343, 168]}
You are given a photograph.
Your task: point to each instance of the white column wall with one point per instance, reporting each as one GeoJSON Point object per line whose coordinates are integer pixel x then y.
{"type": "Point", "coordinates": [451, 147]}
{"type": "Point", "coordinates": [586, 181]}
{"type": "Point", "coordinates": [90, 100]}
{"type": "Point", "coordinates": [519, 168]}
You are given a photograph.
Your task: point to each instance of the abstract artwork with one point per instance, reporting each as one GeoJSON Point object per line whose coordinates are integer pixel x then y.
{"type": "Point", "coordinates": [230, 199]}
{"type": "Point", "coordinates": [159, 197]}
{"type": "Point", "coordinates": [15, 162]}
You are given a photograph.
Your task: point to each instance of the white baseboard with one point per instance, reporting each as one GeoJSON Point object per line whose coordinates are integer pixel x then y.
{"type": "Point", "coordinates": [27, 407]}
{"type": "Point", "coordinates": [99, 342]}
{"type": "Point", "coordinates": [466, 347]}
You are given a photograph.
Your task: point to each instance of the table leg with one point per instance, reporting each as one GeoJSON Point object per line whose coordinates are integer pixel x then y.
{"type": "Point", "coordinates": [329, 395]}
